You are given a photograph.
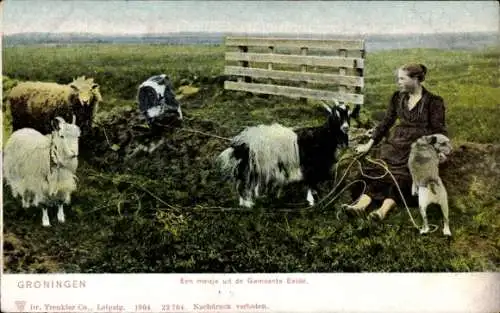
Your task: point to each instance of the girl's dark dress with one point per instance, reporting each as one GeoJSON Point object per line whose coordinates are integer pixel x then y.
{"type": "Point", "coordinates": [426, 118]}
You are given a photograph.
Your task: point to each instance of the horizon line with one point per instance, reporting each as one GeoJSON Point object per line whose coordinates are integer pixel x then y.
{"type": "Point", "coordinates": [247, 33]}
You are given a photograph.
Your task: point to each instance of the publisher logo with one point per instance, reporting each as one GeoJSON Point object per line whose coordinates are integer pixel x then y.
{"type": "Point", "coordinates": [20, 305]}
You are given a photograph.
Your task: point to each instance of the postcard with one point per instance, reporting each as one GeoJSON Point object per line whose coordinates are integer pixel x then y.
{"type": "Point", "coordinates": [250, 156]}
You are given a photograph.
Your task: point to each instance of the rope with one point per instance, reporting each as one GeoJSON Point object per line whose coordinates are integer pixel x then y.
{"type": "Point", "coordinates": [383, 164]}
{"type": "Point", "coordinates": [180, 208]}
{"type": "Point", "coordinates": [337, 184]}
{"type": "Point", "coordinates": [203, 133]}
{"type": "Point", "coordinates": [225, 209]}
{"type": "Point", "coordinates": [379, 162]}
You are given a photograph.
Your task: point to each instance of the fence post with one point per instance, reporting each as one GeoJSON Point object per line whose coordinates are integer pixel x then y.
{"type": "Point", "coordinates": [342, 71]}
{"type": "Point", "coordinates": [360, 71]}
{"type": "Point", "coordinates": [270, 65]}
{"type": "Point", "coordinates": [303, 68]}
{"type": "Point", "coordinates": [247, 79]}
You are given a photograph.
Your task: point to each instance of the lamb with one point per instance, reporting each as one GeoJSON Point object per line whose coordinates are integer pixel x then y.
{"type": "Point", "coordinates": [36, 104]}
{"type": "Point", "coordinates": [155, 97]}
{"type": "Point", "coordinates": [275, 155]}
{"type": "Point", "coordinates": [41, 168]}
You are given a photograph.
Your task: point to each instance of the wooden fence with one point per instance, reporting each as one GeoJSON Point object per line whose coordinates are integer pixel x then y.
{"type": "Point", "coordinates": [297, 68]}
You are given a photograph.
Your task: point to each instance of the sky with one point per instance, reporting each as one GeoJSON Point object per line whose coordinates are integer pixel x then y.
{"type": "Point", "coordinates": [315, 17]}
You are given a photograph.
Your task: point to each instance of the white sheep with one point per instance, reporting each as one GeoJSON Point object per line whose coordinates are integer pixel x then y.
{"type": "Point", "coordinates": [41, 168]}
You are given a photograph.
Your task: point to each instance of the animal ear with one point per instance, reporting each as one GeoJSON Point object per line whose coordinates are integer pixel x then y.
{"type": "Point", "coordinates": [355, 112]}
{"type": "Point", "coordinates": [95, 85]}
{"type": "Point", "coordinates": [74, 87]}
{"type": "Point", "coordinates": [57, 122]}
{"type": "Point", "coordinates": [432, 140]}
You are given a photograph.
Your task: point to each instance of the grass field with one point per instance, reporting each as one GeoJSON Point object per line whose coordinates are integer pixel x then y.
{"type": "Point", "coordinates": [122, 219]}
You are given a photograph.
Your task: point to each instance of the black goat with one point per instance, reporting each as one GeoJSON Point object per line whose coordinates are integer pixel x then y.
{"type": "Point", "coordinates": [276, 154]}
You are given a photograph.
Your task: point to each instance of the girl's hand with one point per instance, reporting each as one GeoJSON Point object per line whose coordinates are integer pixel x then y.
{"type": "Point", "coordinates": [364, 148]}
{"type": "Point", "coordinates": [442, 157]}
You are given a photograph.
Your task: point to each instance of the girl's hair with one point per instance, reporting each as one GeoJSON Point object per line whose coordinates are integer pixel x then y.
{"type": "Point", "coordinates": [415, 71]}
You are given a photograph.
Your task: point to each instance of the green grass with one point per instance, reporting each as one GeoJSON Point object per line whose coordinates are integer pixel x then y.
{"type": "Point", "coordinates": [468, 82]}
{"type": "Point", "coordinates": [121, 219]}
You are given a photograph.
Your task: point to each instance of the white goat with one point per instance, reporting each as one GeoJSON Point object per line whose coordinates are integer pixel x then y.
{"type": "Point", "coordinates": [41, 168]}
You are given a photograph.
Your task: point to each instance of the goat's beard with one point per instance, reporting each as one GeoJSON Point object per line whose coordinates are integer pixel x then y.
{"type": "Point", "coordinates": [343, 141]}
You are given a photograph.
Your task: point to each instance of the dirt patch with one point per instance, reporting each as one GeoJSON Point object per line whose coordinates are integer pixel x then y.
{"type": "Point", "coordinates": [473, 167]}
{"type": "Point", "coordinates": [19, 258]}
{"type": "Point", "coordinates": [175, 160]}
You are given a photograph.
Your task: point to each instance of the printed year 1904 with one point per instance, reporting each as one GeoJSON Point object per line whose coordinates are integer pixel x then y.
{"type": "Point", "coordinates": [142, 308]}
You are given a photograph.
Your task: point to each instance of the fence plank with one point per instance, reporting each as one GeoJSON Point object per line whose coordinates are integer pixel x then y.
{"type": "Point", "coordinates": [295, 76]}
{"type": "Point", "coordinates": [309, 60]}
{"type": "Point", "coordinates": [354, 44]}
{"type": "Point", "coordinates": [294, 92]}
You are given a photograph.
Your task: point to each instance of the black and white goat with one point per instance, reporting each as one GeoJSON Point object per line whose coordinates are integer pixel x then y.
{"type": "Point", "coordinates": [156, 97]}
{"type": "Point", "coordinates": [274, 155]}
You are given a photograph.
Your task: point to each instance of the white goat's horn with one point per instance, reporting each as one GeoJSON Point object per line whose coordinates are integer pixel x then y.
{"type": "Point", "coordinates": [74, 119]}
{"type": "Point", "coordinates": [323, 103]}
